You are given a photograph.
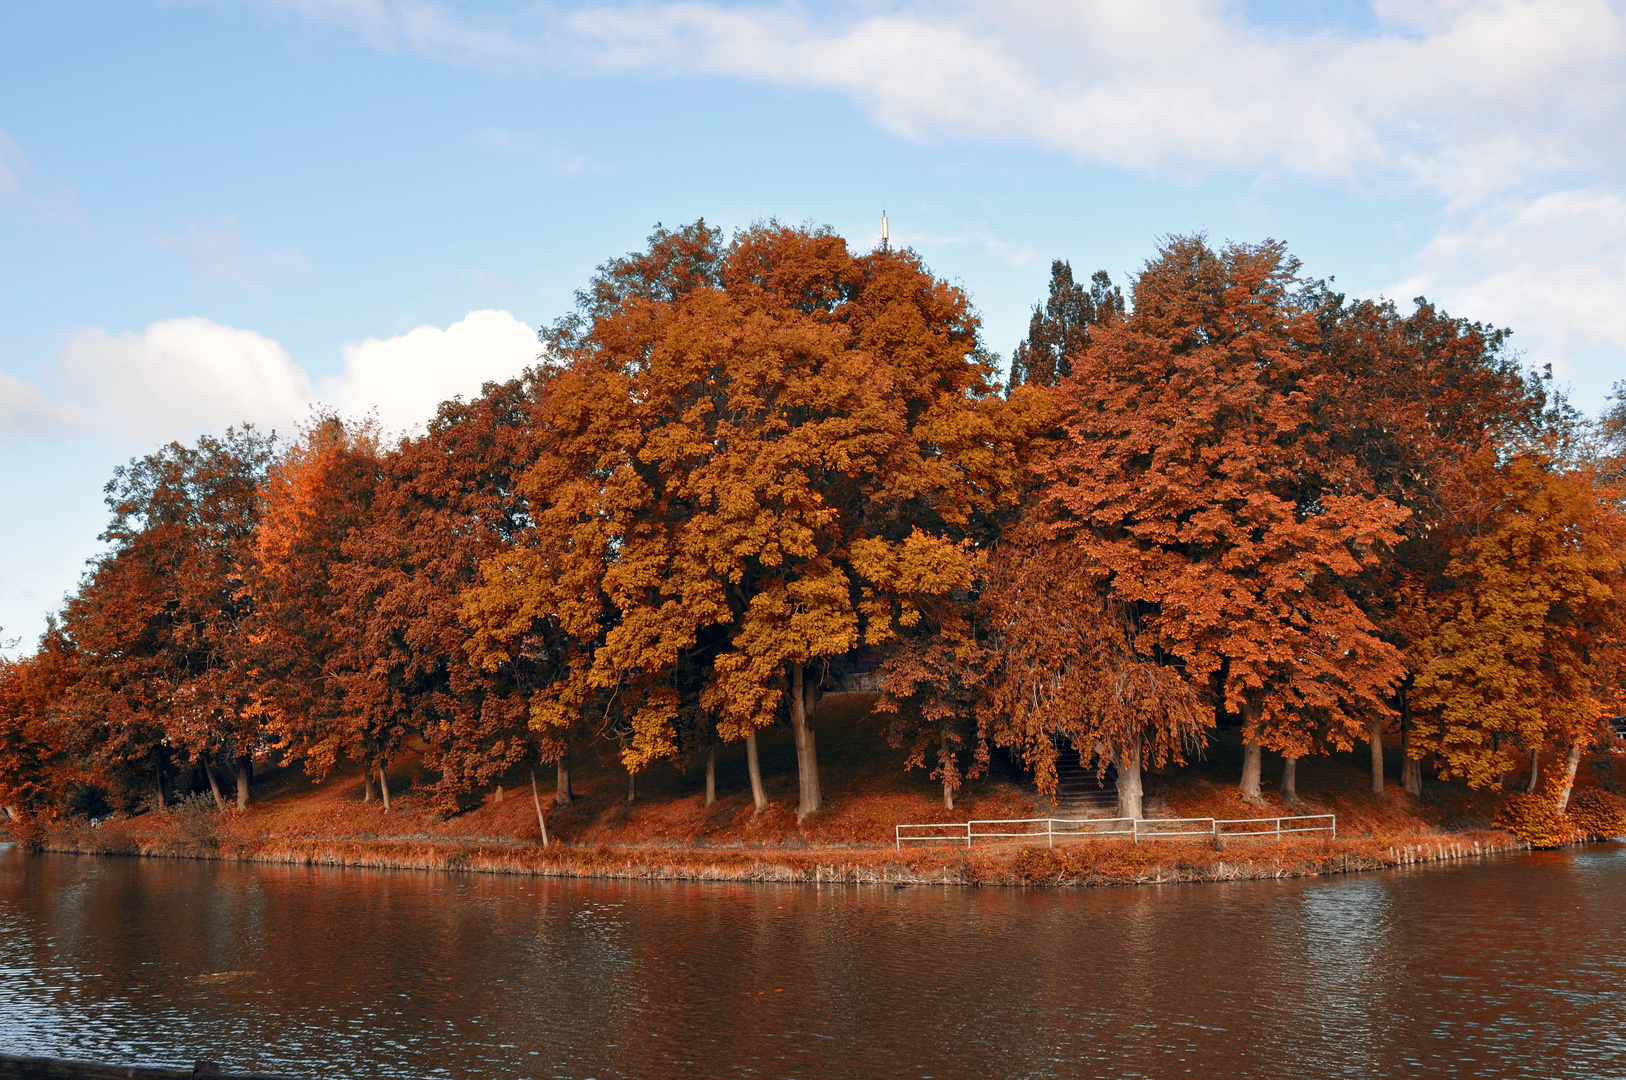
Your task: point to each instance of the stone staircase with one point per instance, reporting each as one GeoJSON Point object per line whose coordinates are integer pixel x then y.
{"type": "Point", "coordinates": [1080, 792]}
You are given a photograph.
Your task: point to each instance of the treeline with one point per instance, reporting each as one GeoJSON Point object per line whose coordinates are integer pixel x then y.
{"type": "Point", "coordinates": [740, 471]}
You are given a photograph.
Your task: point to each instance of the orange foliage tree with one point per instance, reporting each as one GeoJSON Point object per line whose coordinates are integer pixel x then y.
{"type": "Point", "coordinates": [1412, 399]}
{"type": "Point", "coordinates": [40, 753]}
{"type": "Point", "coordinates": [316, 492]}
{"type": "Point", "coordinates": [1220, 517]}
{"type": "Point", "coordinates": [756, 459]}
{"type": "Point", "coordinates": [158, 624]}
{"type": "Point", "coordinates": [446, 500]}
{"type": "Point", "coordinates": [931, 686]}
{"type": "Point", "coordinates": [1066, 658]}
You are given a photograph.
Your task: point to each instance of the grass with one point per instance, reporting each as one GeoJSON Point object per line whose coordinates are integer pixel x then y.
{"type": "Point", "coordinates": [667, 832]}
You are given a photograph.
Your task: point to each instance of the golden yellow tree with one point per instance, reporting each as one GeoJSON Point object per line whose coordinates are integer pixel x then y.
{"type": "Point", "coordinates": [1525, 652]}
{"type": "Point", "coordinates": [754, 460]}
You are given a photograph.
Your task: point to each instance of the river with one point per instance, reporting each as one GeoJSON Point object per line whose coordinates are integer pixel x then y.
{"type": "Point", "coordinates": [1507, 967]}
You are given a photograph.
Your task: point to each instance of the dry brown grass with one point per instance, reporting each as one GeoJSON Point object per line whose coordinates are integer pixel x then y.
{"type": "Point", "coordinates": [666, 832]}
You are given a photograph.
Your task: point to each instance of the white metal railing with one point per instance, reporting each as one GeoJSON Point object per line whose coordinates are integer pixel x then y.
{"type": "Point", "coordinates": [1221, 828]}
{"type": "Point", "coordinates": [1087, 828]}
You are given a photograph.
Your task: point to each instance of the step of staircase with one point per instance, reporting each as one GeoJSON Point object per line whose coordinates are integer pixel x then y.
{"type": "Point", "coordinates": [1080, 792]}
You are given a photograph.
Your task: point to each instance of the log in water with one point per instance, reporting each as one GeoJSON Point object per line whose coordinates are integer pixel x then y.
{"type": "Point", "coordinates": [1510, 966]}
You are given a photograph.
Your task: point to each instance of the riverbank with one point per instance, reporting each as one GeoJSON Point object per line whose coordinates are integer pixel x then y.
{"type": "Point", "coordinates": [667, 833]}
{"type": "Point", "coordinates": [1086, 863]}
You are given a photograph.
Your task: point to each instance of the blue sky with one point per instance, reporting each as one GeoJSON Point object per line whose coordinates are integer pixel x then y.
{"type": "Point", "coordinates": [214, 211]}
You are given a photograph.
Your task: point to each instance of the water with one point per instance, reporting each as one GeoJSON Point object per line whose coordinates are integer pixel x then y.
{"type": "Point", "coordinates": [1511, 967]}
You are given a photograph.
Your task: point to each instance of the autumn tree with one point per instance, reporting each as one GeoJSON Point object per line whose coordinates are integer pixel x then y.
{"type": "Point", "coordinates": [318, 490]}
{"type": "Point", "coordinates": [39, 752]}
{"type": "Point", "coordinates": [1060, 327]}
{"type": "Point", "coordinates": [931, 686]}
{"type": "Point", "coordinates": [1411, 399]}
{"type": "Point", "coordinates": [446, 500]}
{"type": "Point", "coordinates": [1608, 452]}
{"type": "Point", "coordinates": [1195, 481]}
{"type": "Point", "coordinates": [930, 694]}
{"type": "Point", "coordinates": [1525, 648]}
{"type": "Point", "coordinates": [757, 458]}
{"type": "Point", "coordinates": [942, 673]}
{"type": "Point", "coordinates": [1065, 656]}
{"type": "Point", "coordinates": [157, 624]}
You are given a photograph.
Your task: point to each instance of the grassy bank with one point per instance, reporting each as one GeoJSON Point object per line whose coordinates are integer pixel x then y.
{"type": "Point", "coordinates": [666, 832]}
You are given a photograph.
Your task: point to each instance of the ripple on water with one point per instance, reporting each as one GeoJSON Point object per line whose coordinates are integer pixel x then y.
{"type": "Point", "coordinates": [1508, 967]}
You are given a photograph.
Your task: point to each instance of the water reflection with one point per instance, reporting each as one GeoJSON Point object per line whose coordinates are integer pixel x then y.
{"type": "Point", "coordinates": [1508, 968]}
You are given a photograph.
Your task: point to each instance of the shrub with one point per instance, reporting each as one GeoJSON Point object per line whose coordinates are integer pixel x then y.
{"type": "Point", "coordinates": [1531, 818]}
{"type": "Point", "coordinates": [28, 832]}
{"type": "Point", "coordinates": [197, 824]}
{"type": "Point", "coordinates": [1595, 813]}
{"type": "Point", "coordinates": [1039, 865]}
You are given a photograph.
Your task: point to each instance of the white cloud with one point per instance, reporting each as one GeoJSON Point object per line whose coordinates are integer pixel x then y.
{"type": "Point", "coordinates": [561, 162]}
{"type": "Point", "coordinates": [407, 376]}
{"type": "Point", "coordinates": [21, 185]}
{"type": "Point", "coordinates": [180, 377]}
{"type": "Point", "coordinates": [1554, 268]}
{"type": "Point", "coordinates": [1485, 95]}
{"type": "Point", "coordinates": [216, 252]}
{"type": "Point", "coordinates": [1462, 96]}
{"type": "Point", "coordinates": [416, 26]}
{"type": "Point", "coordinates": [24, 410]}
{"type": "Point", "coordinates": [1507, 114]}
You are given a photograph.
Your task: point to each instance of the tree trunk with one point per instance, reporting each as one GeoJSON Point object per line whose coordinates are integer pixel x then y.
{"type": "Point", "coordinates": [1411, 770]}
{"type": "Point", "coordinates": [158, 770]}
{"type": "Point", "coordinates": [711, 775]}
{"type": "Point", "coordinates": [1535, 770]}
{"type": "Point", "coordinates": [541, 822]}
{"type": "Point", "coordinates": [562, 795]}
{"type": "Point", "coordinates": [1289, 790]}
{"type": "Point", "coordinates": [807, 763]}
{"type": "Point", "coordinates": [368, 793]}
{"type": "Point", "coordinates": [752, 766]}
{"type": "Point", "coordinates": [1130, 790]}
{"type": "Point", "coordinates": [1567, 785]}
{"type": "Point", "coordinates": [631, 778]}
{"type": "Point", "coordinates": [384, 787]}
{"type": "Point", "coordinates": [1375, 736]}
{"type": "Point", "coordinates": [214, 785]}
{"type": "Point", "coordinates": [1250, 772]}
{"type": "Point", "coordinates": [245, 776]}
